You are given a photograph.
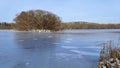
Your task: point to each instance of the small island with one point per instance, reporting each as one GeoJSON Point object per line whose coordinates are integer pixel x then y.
{"type": "Point", "coordinates": [37, 20]}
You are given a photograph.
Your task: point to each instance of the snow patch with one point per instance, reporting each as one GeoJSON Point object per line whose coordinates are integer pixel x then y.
{"type": "Point", "coordinates": [69, 47]}
{"type": "Point", "coordinates": [85, 53]}
{"type": "Point", "coordinates": [89, 53]}
{"type": "Point", "coordinates": [35, 39]}
{"type": "Point", "coordinates": [67, 56]}
{"type": "Point", "coordinates": [21, 40]}
{"type": "Point", "coordinates": [69, 39]}
{"type": "Point", "coordinates": [76, 51]}
{"type": "Point", "coordinates": [56, 43]}
{"type": "Point", "coordinates": [50, 36]}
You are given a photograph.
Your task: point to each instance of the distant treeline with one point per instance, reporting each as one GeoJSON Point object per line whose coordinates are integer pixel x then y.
{"type": "Point", "coordinates": [71, 25]}
{"type": "Point", "coordinates": [5, 25]}
{"type": "Point", "coordinates": [88, 25]}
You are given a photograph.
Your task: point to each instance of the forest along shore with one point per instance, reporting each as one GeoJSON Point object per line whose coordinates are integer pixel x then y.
{"type": "Point", "coordinates": [109, 56]}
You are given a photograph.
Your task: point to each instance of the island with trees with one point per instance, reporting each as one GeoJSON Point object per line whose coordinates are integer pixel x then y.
{"type": "Point", "coordinates": [37, 20]}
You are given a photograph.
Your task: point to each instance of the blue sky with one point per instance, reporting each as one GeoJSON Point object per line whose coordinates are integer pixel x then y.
{"type": "Point", "coordinates": [101, 11]}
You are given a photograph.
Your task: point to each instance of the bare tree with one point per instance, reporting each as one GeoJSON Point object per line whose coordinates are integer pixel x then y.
{"type": "Point", "coordinates": [37, 19]}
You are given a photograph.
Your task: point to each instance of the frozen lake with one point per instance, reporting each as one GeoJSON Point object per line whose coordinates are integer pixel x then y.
{"type": "Point", "coordinates": [63, 49]}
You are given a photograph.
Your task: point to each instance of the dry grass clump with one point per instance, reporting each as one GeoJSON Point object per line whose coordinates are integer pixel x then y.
{"type": "Point", "coordinates": [109, 56]}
